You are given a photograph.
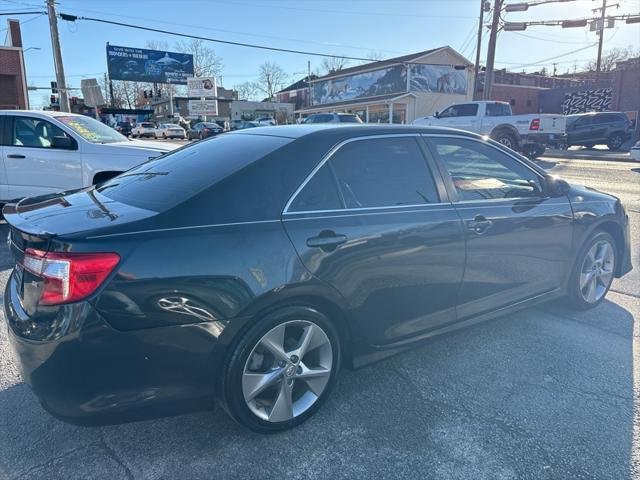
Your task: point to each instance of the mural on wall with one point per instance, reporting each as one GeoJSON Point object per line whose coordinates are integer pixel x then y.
{"type": "Point", "coordinates": [361, 85]}
{"type": "Point", "coordinates": [438, 78]}
{"type": "Point", "coordinates": [597, 100]}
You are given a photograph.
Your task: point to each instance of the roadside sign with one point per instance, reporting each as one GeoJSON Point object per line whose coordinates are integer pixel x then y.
{"type": "Point", "coordinates": [202, 87]}
{"type": "Point", "coordinates": [152, 66]}
{"type": "Point", "coordinates": [91, 92]}
{"type": "Point", "coordinates": [203, 107]}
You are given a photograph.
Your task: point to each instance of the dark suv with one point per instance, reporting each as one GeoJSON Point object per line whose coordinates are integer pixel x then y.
{"type": "Point", "coordinates": [589, 129]}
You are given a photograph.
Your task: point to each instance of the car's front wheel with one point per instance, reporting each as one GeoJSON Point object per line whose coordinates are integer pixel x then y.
{"type": "Point", "coordinates": [593, 272]}
{"type": "Point", "coordinates": [281, 370]}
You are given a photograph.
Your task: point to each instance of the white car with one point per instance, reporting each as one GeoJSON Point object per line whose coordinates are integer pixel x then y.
{"type": "Point", "coordinates": [264, 121]}
{"type": "Point", "coordinates": [144, 129]}
{"type": "Point", "coordinates": [635, 151]}
{"type": "Point", "coordinates": [170, 130]}
{"type": "Point", "coordinates": [49, 152]}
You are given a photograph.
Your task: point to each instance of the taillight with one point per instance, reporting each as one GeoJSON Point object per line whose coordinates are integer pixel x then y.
{"type": "Point", "coordinates": [69, 277]}
{"type": "Point", "coordinates": [535, 124]}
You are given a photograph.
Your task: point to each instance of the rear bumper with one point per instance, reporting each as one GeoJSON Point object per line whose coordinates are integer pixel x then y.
{"type": "Point", "coordinates": [543, 139]}
{"type": "Point", "coordinates": [85, 372]}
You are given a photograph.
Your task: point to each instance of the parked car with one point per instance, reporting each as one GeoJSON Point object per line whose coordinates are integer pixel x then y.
{"type": "Point", "coordinates": [332, 118]}
{"type": "Point", "coordinates": [124, 128]}
{"type": "Point", "coordinates": [242, 124]}
{"type": "Point", "coordinates": [46, 152]}
{"type": "Point", "coordinates": [635, 151]}
{"type": "Point", "coordinates": [204, 130]}
{"type": "Point", "coordinates": [529, 134]}
{"type": "Point", "coordinates": [170, 130]}
{"type": "Point", "coordinates": [144, 129]}
{"type": "Point", "coordinates": [264, 121]}
{"type": "Point", "coordinates": [589, 129]}
{"type": "Point", "coordinates": [250, 267]}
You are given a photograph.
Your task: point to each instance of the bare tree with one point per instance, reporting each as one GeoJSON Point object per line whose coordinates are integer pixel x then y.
{"type": "Point", "coordinates": [205, 61]}
{"type": "Point", "coordinates": [333, 64]}
{"type": "Point", "coordinates": [247, 90]}
{"type": "Point", "coordinates": [375, 56]}
{"type": "Point", "coordinates": [613, 56]}
{"type": "Point", "coordinates": [271, 78]}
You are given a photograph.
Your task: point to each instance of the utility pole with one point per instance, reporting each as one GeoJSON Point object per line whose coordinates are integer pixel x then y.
{"type": "Point", "coordinates": [600, 40]}
{"type": "Point", "coordinates": [491, 53]}
{"type": "Point", "coordinates": [57, 57]}
{"type": "Point", "coordinates": [476, 67]}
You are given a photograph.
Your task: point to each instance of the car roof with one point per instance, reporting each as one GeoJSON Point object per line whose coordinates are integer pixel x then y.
{"type": "Point", "coordinates": [357, 129]}
{"type": "Point", "coordinates": [47, 113]}
{"type": "Point", "coordinates": [593, 114]}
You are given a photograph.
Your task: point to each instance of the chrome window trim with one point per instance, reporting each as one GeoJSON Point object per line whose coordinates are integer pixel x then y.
{"type": "Point", "coordinates": [366, 209]}
{"type": "Point", "coordinates": [332, 152]}
{"type": "Point", "coordinates": [348, 213]}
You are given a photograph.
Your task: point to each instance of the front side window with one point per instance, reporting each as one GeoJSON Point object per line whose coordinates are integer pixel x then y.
{"type": "Point", "coordinates": [383, 172]}
{"type": "Point", "coordinates": [34, 132]}
{"type": "Point", "coordinates": [480, 171]}
{"type": "Point", "coordinates": [462, 110]}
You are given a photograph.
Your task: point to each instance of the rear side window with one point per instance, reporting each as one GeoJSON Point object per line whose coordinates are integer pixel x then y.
{"type": "Point", "coordinates": [498, 110]}
{"type": "Point", "coordinates": [320, 193]}
{"type": "Point", "coordinates": [165, 182]}
{"type": "Point", "coordinates": [609, 118]}
{"type": "Point", "coordinates": [383, 172]}
{"type": "Point", "coordinates": [349, 119]}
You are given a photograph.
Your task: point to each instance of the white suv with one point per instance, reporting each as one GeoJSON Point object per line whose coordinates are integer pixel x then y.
{"type": "Point", "coordinates": [144, 129]}
{"type": "Point", "coordinates": [49, 152]}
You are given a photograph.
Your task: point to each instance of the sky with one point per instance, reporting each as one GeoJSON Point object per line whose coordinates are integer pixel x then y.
{"type": "Point", "coordinates": [343, 27]}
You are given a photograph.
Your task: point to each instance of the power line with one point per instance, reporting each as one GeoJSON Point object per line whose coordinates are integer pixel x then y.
{"type": "Point", "coordinates": [73, 18]}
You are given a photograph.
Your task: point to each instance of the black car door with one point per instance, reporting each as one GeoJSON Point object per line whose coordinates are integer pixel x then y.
{"type": "Point", "coordinates": [373, 222]}
{"type": "Point", "coordinates": [518, 240]}
{"type": "Point", "coordinates": [580, 131]}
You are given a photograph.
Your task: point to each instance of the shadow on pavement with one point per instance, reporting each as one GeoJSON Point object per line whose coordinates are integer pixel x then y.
{"type": "Point", "coordinates": [545, 393]}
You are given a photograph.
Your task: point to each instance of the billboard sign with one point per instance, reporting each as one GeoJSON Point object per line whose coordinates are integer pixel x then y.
{"type": "Point", "coordinates": [438, 78]}
{"type": "Point", "coordinates": [152, 66]}
{"type": "Point", "coordinates": [361, 85]}
{"type": "Point", "coordinates": [203, 107]}
{"type": "Point", "coordinates": [202, 87]}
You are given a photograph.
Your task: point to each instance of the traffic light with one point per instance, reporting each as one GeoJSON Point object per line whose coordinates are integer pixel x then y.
{"type": "Point", "coordinates": [54, 87]}
{"type": "Point", "coordinates": [53, 99]}
{"type": "Point", "coordinates": [74, 100]}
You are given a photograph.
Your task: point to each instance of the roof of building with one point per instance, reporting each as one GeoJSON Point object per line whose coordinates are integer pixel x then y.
{"type": "Point", "coordinates": [383, 63]}
{"type": "Point", "coordinates": [302, 83]}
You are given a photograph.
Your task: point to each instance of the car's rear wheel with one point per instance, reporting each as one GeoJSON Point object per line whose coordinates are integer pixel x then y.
{"type": "Point", "coordinates": [615, 141]}
{"type": "Point", "coordinates": [593, 272]}
{"type": "Point", "coordinates": [282, 370]}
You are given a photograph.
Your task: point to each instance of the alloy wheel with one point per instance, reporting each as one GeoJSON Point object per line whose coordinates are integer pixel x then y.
{"type": "Point", "coordinates": [287, 371]}
{"type": "Point", "coordinates": [615, 142]}
{"type": "Point", "coordinates": [596, 273]}
{"type": "Point", "coordinates": [506, 141]}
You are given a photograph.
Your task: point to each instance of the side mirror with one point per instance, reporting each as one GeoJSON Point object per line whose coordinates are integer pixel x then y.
{"type": "Point", "coordinates": [63, 143]}
{"type": "Point", "coordinates": [555, 186]}
{"type": "Point", "coordinates": [437, 114]}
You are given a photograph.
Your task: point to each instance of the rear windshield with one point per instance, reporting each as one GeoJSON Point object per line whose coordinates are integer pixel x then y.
{"type": "Point", "coordinates": [166, 181]}
{"type": "Point", "coordinates": [147, 125]}
{"type": "Point", "coordinates": [349, 119]}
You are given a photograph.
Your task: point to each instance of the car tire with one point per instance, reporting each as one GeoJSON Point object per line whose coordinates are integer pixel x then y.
{"type": "Point", "coordinates": [593, 272]}
{"type": "Point", "coordinates": [164, 136]}
{"type": "Point", "coordinates": [270, 392]}
{"type": "Point", "coordinates": [507, 139]}
{"type": "Point", "coordinates": [200, 137]}
{"type": "Point", "coordinates": [615, 141]}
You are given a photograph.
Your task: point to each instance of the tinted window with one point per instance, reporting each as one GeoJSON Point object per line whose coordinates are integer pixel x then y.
{"type": "Point", "coordinates": [480, 171]}
{"type": "Point", "coordinates": [320, 193]}
{"type": "Point", "coordinates": [463, 110]}
{"type": "Point", "coordinates": [173, 178]}
{"type": "Point", "coordinates": [349, 119]}
{"type": "Point", "coordinates": [580, 121]}
{"type": "Point", "coordinates": [609, 118]}
{"type": "Point", "coordinates": [498, 109]}
{"type": "Point", "coordinates": [383, 172]}
{"type": "Point", "coordinates": [34, 132]}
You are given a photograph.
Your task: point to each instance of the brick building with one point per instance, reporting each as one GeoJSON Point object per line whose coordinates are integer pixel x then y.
{"type": "Point", "coordinates": [13, 82]}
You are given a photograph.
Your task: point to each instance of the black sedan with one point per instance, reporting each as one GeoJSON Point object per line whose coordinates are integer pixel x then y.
{"type": "Point", "coordinates": [251, 267]}
{"type": "Point", "coordinates": [204, 130]}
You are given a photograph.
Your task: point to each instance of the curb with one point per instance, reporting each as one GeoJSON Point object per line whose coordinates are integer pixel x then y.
{"type": "Point", "coordinates": [578, 155]}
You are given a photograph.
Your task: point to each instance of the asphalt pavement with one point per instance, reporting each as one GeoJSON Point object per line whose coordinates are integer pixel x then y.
{"type": "Point", "coordinates": [547, 393]}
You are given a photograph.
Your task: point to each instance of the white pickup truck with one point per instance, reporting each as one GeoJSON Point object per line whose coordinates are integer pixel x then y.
{"type": "Point", "coordinates": [48, 152]}
{"type": "Point", "coordinates": [529, 134]}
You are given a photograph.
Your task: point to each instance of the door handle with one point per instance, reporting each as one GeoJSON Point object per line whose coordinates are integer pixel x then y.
{"type": "Point", "coordinates": [479, 224]}
{"type": "Point", "coordinates": [15, 155]}
{"type": "Point", "coordinates": [326, 241]}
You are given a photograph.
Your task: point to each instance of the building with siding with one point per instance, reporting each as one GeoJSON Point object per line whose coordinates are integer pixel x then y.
{"type": "Point", "coordinates": [397, 90]}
